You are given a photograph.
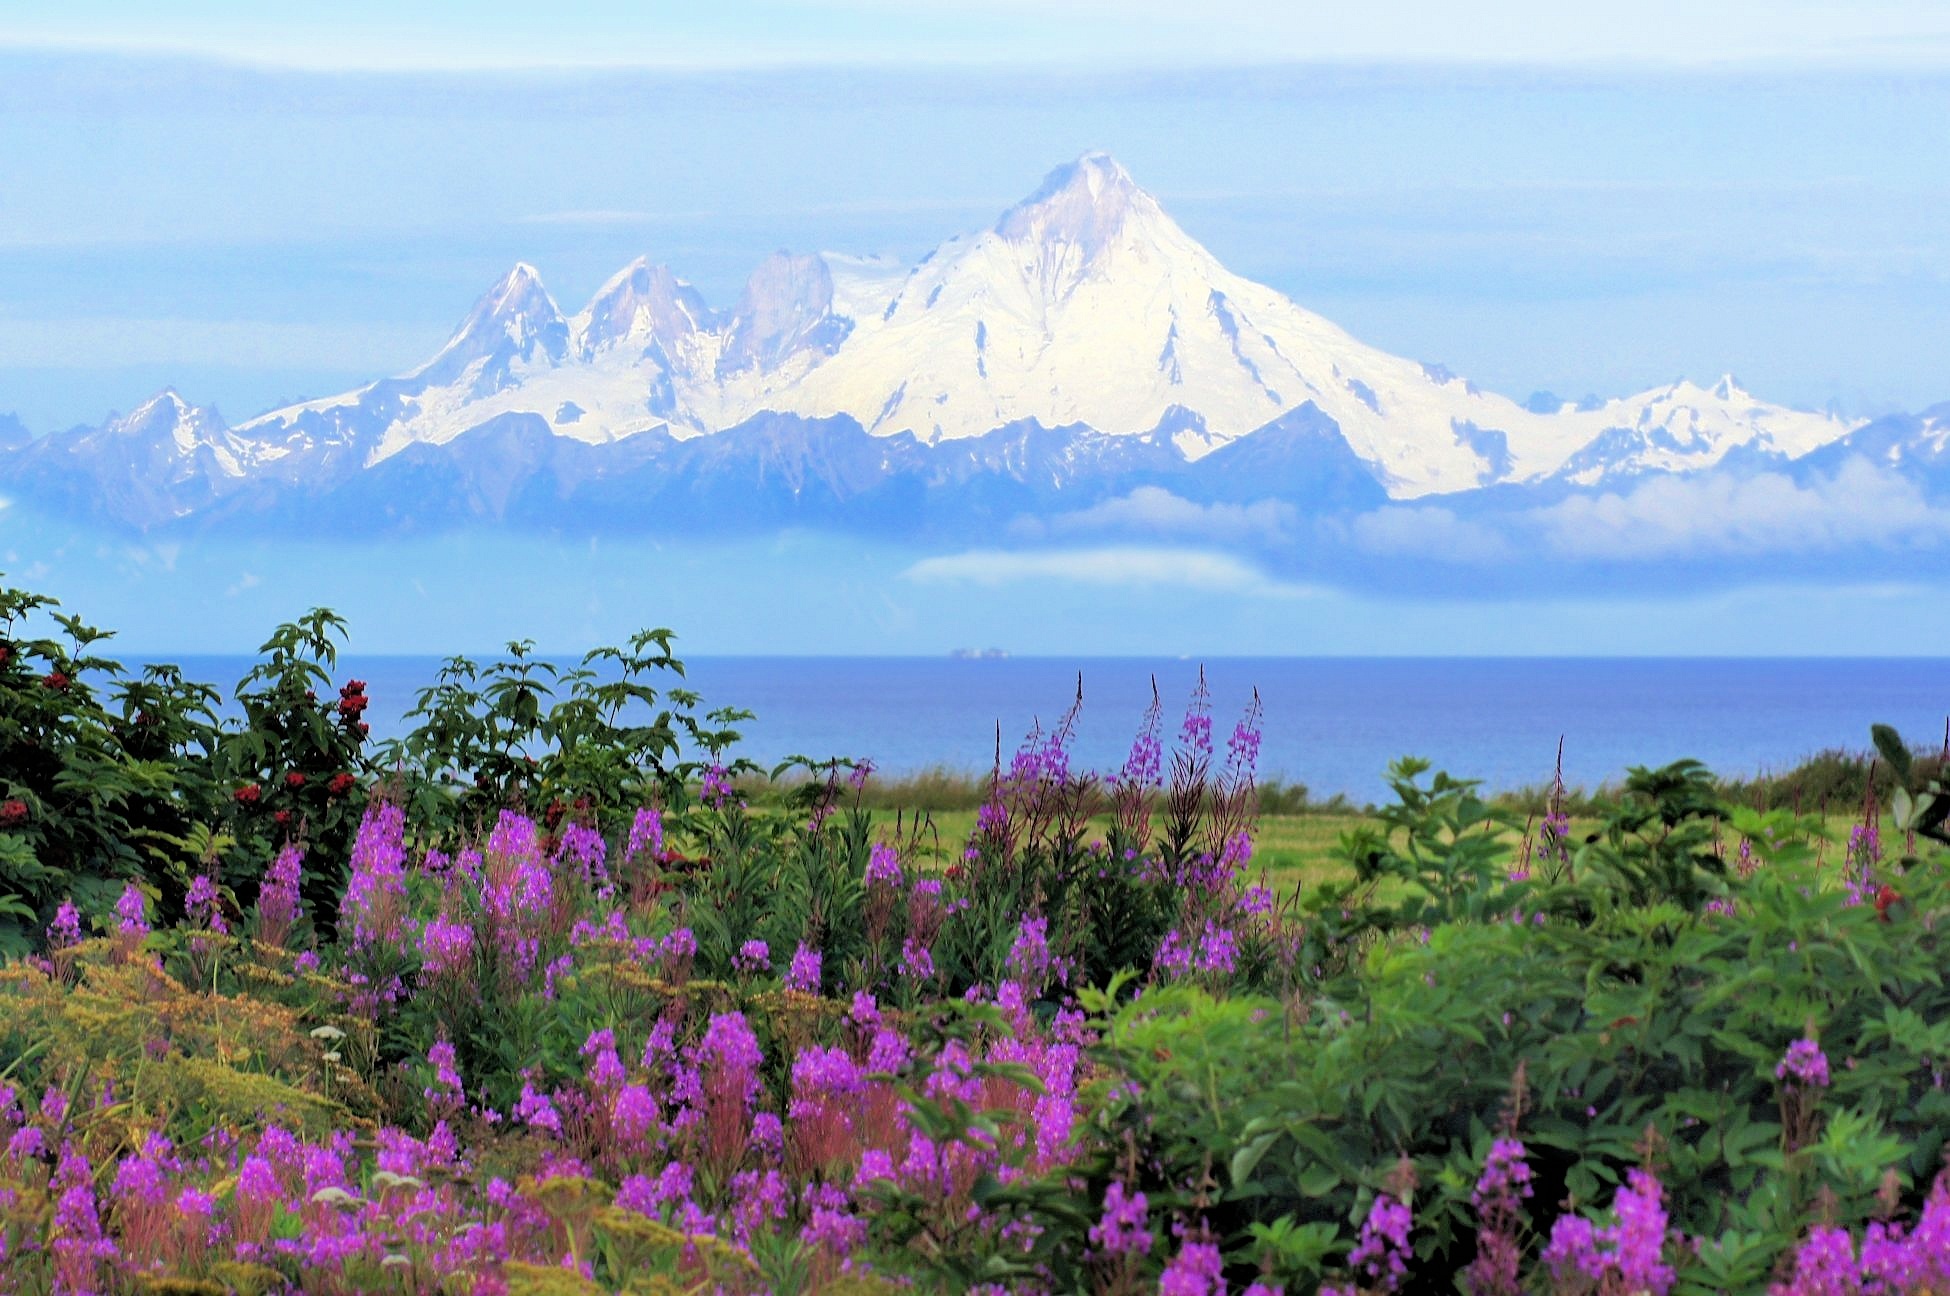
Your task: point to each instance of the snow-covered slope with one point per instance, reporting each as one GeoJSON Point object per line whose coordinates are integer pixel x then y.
{"type": "Point", "coordinates": [1084, 307]}
{"type": "Point", "coordinates": [165, 459]}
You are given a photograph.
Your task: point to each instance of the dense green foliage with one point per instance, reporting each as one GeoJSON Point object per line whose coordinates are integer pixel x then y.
{"type": "Point", "coordinates": [557, 999]}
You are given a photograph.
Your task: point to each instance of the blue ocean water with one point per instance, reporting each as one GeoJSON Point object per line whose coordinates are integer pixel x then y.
{"type": "Point", "coordinates": [1330, 723]}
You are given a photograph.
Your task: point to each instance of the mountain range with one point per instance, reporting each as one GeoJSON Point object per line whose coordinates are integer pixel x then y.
{"type": "Point", "coordinates": [1082, 348]}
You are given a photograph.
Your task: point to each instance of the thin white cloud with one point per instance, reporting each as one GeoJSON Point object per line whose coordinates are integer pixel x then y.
{"type": "Point", "coordinates": [1154, 511]}
{"type": "Point", "coordinates": [1117, 566]}
{"type": "Point", "coordinates": [1429, 532]}
{"type": "Point", "coordinates": [1723, 515]}
{"type": "Point", "coordinates": [1710, 516]}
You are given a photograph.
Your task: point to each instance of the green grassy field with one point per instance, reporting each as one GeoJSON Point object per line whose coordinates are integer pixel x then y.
{"type": "Point", "coordinates": [1295, 850]}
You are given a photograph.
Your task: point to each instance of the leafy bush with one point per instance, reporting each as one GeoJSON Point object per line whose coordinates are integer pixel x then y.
{"type": "Point", "coordinates": [558, 1006]}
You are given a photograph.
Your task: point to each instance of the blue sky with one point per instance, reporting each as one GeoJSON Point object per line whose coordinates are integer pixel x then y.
{"type": "Point", "coordinates": [517, 33]}
{"type": "Point", "coordinates": [258, 202]}
{"type": "Point", "coordinates": [263, 203]}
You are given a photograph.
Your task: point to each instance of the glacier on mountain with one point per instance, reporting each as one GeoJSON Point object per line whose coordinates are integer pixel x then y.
{"type": "Point", "coordinates": [1083, 342]}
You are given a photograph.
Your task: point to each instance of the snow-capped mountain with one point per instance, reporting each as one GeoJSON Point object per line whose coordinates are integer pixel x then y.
{"type": "Point", "coordinates": [1917, 445]}
{"type": "Point", "coordinates": [1084, 343]}
{"type": "Point", "coordinates": [165, 459]}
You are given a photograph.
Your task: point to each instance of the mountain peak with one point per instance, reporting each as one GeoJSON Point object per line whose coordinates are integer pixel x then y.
{"type": "Point", "coordinates": [1084, 202]}
{"type": "Point", "coordinates": [514, 319]}
{"type": "Point", "coordinates": [165, 404]}
{"type": "Point", "coordinates": [787, 306]}
{"type": "Point", "coordinates": [644, 303]}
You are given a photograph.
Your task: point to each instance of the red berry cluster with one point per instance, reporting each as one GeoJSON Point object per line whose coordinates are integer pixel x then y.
{"type": "Point", "coordinates": [12, 811]}
{"type": "Point", "coordinates": [57, 680]}
{"type": "Point", "coordinates": [352, 702]}
{"type": "Point", "coordinates": [340, 784]}
{"type": "Point", "coordinates": [249, 794]}
{"type": "Point", "coordinates": [6, 653]}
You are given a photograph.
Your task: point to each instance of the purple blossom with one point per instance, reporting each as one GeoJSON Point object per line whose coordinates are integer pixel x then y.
{"type": "Point", "coordinates": [633, 1115]}
{"type": "Point", "coordinates": [883, 866]}
{"type": "Point", "coordinates": [917, 960]}
{"type": "Point", "coordinates": [200, 904]}
{"type": "Point", "coordinates": [277, 897]}
{"type": "Point", "coordinates": [536, 1110]}
{"type": "Point", "coordinates": [583, 848]}
{"type": "Point", "coordinates": [1124, 1226]}
{"type": "Point", "coordinates": [65, 930]}
{"type": "Point", "coordinates": [804, 973]}
{"type": "Point", "coordinates": [753, 956]}
{"type": "Point", "coordinates": [133, 911]}
{"type": "Point", "coordinates": [646, 834]}
{"type": "Point", "coordinates": [1197, 1270]}
{"type": "Point", "coordinates": [605, 1069]}
{"type": "Point", "coordinates": [375, 893]}
{"type": "Point", "coordinates": [1803, 1064]}
{"type": "Point", "coordinates": [446, 947]}
{"type": "Point", "coordinates": [1381, 1252]}
{"type": "Point", "coordinates": [1505, 1177]}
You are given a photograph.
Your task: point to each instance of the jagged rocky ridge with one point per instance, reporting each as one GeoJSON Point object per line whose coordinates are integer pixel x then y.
{"type": "Point", "coordinates": [1082, 347]}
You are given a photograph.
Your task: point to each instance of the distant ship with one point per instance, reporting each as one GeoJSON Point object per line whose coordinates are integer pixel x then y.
{"type": "Point", "coordinates": [979, 654]}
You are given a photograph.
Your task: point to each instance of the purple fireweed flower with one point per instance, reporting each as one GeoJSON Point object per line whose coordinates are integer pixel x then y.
{"type": "Point", "coordinates": [536, 1110]}
{"type": "Point", "coordinates": [633, 1115]}
{"type": "Point", "coordinates": [861, 772]}
{"type": "Point", "coordinates": [65, 930]}
{"type": "Point", "coordinates": [1195, 732]}
{"type": "Point", "coordinates": [1381, 1252]}
{"type": "Point", "coordinates": [605, 1069]}
{"type": "Point", "coordinates": [1803, 1064]}
{"type": "Point", "coordinates": [888, 1052]}
{"type": "Point", "coordinates": [1174, 954]}
{"type": "Point", "coordinates": [646, 834]}
{"type": "Point", "coordinates": [1824, 1265]}
{"type": "Point", "coordinates": [1632, 1249]}
{"type": "Point", "coordinates": [917, 960]}
{"type": "Point", "coordinates": [819, 1073]}
{"type": "Point", "coordinates": [1498, 1198]}
{"type": "Point", "coordinates": [1218, 950]}
{"type": "Point", "coordinates": [375, 894]}
{"type": "Point", "coordinates": [715, 788]}
{"type": "Point", "coordinates": [753, 956]}
{"type": "Point", "coordinates": [277, 897]}
{"type": "Point", "coordinates": [1573, 1249]}
{"type": "Point", "coordinates": [583, 849]}
{"type": "Point", "coordinates": [446, 947]}
{"type": "Point", "coordinates": [731, 1050]}
{"type": "Point", "coordinates": [991, 819]}
{"type": "Point", "coordinates": [804, 973]}
{"type": "Point", "coordinates": [133, 911]}
{"type": "Point", "coordinates": [1242, 749]}
{"type": "Point", "coordinates": [883, 866]}
{"type": "Point", "coordinates": [1505, 1177]}
{"type": "Point", "coordinates": [1029, 957]}
{"type": "Point", "coordinates": [1145, 763]}
{"type": "Point", "coordinates": [1197, 1270]}
{"type": "Point", "coordinates": [446, 1087]}
{"type": "Point", "coordinates": [200, 904]}
{"type": "Point", "coordinates": [1124, 1227]}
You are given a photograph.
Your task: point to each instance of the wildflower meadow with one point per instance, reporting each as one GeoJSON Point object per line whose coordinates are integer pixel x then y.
{"type": "Point", "coordinates": [555, 994]}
